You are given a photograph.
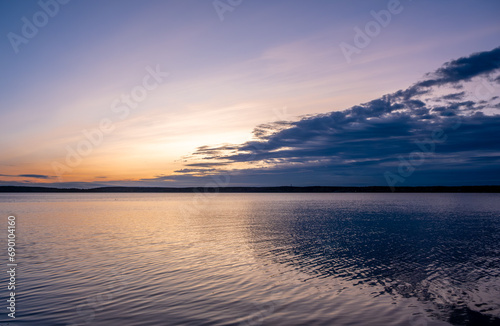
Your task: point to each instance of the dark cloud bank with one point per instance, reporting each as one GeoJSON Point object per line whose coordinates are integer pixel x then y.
{"type": "Point", "coordinates": [443, 130]}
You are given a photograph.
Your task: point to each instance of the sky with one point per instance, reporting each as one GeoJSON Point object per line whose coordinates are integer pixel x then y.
{"type": "Point", "coordinates": [249, 92]}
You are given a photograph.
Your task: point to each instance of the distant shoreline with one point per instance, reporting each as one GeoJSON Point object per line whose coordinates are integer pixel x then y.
{"type": "Point", "coordinates": [281, 189]}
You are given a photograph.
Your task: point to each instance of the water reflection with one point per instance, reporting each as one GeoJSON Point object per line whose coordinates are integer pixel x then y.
{"type": "Point", "coordinates": [443, 253]}
{"type": "Point", "coordinates": [257, 259]}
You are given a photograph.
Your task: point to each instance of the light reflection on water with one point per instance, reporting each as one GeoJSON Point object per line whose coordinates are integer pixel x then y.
{"type": "Point", "coordinates": [256, 259]}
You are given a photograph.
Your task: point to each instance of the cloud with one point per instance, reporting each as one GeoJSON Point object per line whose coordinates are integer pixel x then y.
{"type": "Point", "coordinates": [454, 72]}
{"type": "Point", "coordinates": [465, 68]}
{"type": "Point", "coordinates": [159, 178]}
{"type": "Point", "coordinates": [207, 164]}
{"type": "Point", "coordinates": [35, 176]}
{"type": "Point", "coordinates": [454, 96]}
{"type": "Point", "coordinates": [358, 145]}
{"type": "Point", "coordinates": [66, 185]}
{"type": "Point", "coordinates": [194, 170]}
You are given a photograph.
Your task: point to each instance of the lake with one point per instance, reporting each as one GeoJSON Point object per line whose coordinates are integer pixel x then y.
{"type": "Point", "coordinates": [254, 259]}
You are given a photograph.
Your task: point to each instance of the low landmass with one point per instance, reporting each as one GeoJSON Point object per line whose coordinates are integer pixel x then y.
{"type": "Point", "coordinates": [281, 189]}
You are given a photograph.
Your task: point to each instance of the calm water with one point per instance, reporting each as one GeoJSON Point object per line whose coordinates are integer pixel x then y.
{"type": "Point", "coordinates": [255, 259]}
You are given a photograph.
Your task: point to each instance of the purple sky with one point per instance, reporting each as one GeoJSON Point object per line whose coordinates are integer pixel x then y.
{"type": "Point", "coordinates": [182, 93]}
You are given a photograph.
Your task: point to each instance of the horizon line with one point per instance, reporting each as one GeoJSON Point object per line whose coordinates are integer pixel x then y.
{"type": "Point", "coordinates": [262, 189]}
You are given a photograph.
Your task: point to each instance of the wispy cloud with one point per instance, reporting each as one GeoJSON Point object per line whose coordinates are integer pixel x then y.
{"type": "Point", "coordinates": [34, 176]}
